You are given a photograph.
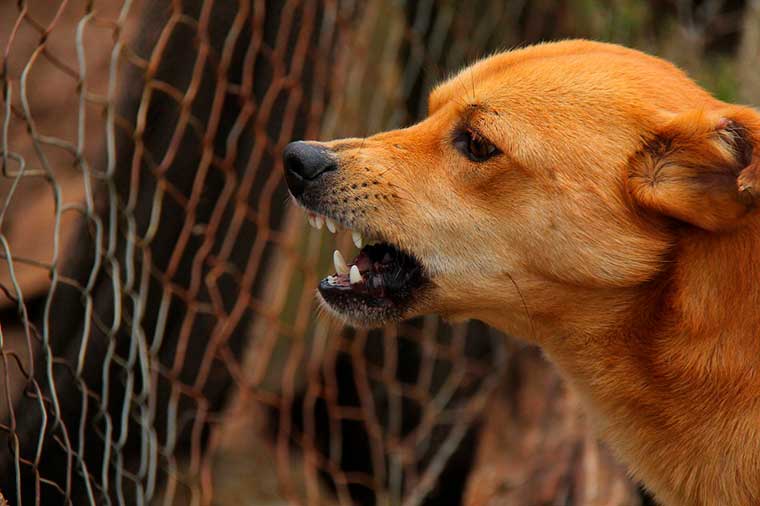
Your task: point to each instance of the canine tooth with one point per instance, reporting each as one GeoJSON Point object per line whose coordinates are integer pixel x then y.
{"type": "Point", "coordinates": [357, 237]}
{"type": "Point", "coordinates": [330, 225]}
{"type": "Point", "coordinates": [340, 264]}
{"type": "Point", "coordinates": [354, 275]}
{"type": "Point", "coordinates": [312, 221]}
{"type": "Point", "coordinates": [318, 221]}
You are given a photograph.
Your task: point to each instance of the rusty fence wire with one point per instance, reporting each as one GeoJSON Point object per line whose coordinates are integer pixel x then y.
{"type": "Point", "coordinates": [159, 331]}
{"type": "Point", "coordinates": [159, 336]}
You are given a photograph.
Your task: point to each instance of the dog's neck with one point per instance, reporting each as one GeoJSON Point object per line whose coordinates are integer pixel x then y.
{"type": "Point", "coordinates": [673, 367]}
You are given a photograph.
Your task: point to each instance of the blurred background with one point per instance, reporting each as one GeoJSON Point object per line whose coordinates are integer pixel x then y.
{"type": "Point", "coordinates": [159, 337]}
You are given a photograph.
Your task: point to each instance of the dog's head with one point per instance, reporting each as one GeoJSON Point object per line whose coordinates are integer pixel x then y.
{"type": "Point", "coordinates": [539, 176]}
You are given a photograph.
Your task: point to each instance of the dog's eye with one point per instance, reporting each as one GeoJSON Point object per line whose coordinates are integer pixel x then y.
{"type": "Point", "coordinates": [474, 146]}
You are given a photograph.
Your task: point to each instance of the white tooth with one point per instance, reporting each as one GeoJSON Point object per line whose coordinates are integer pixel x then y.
{"type": "Point", "coordinates": [318, 221]}
{"type": "Point", "coordinates": [357, 237]}
{"type": "Point", "coordinates": [340, 264]}
{"type": "Point", "coordinates": [330, 225]}
{"type": "Point", "coordinates": [354, 275]}
{"type": "Point", "coordinates": [312, 221]}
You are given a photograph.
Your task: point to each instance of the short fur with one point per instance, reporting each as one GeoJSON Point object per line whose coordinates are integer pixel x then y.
{"type": "Point", "coordinates": [617, 230]}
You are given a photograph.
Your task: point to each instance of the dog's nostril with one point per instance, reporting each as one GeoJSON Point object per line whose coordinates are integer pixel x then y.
{"type": "Point", "coordinates": [293, 163]}
{"type": "Point", "coordinates": [307, 160]}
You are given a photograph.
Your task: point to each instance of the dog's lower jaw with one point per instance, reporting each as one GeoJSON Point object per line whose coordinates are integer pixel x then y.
{"type": "Point", "coordinates": [357, 317]}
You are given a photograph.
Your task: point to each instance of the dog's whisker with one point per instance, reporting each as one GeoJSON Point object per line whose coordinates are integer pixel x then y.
{"type": "Point", "coordinates": [524, 305]}
{"type": "Point", "coordinates": [472, 80]}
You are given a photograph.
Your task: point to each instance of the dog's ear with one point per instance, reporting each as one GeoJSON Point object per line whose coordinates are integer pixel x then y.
{"type": "Point", "coordinates": [702, 168]}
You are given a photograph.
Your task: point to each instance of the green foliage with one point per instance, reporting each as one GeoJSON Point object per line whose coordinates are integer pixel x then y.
{"type": "Point", "coordinates": [718, 74]}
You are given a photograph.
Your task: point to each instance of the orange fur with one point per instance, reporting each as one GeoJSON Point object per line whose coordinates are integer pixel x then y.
{"type": "Point", "coordinates": [616, 229]}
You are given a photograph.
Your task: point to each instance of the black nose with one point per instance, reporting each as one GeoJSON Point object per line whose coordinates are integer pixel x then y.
{"type": "Point", "coordinates": [305, 162]}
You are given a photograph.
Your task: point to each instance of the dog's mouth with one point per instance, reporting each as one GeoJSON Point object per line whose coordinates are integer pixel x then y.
{"type": "Point", "coordinates": [380, 285]}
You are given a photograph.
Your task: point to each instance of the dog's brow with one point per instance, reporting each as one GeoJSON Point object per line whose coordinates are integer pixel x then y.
{"type": "Point", "coordinates": [474, 109]}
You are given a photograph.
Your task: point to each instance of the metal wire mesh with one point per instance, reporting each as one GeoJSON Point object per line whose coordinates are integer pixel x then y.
{"type": "Point", "coordinates": [158, 332]}
{"type": "Point", "coordinates": [170, 251]}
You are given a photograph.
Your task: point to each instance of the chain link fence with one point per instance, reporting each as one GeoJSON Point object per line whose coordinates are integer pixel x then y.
{"type": "Point", "coordinates": [159, 336]}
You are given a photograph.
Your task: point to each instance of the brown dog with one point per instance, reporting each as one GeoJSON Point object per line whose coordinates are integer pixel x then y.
{"type": "Point", "coordinates": [591, 199]}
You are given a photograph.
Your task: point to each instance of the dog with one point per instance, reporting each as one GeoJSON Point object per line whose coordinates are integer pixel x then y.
{"type": "Point", "coordinates": [593, 200]}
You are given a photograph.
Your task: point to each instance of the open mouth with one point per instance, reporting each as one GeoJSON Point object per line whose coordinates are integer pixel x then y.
{"type": "Point", "coordinates": [379, 285]}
